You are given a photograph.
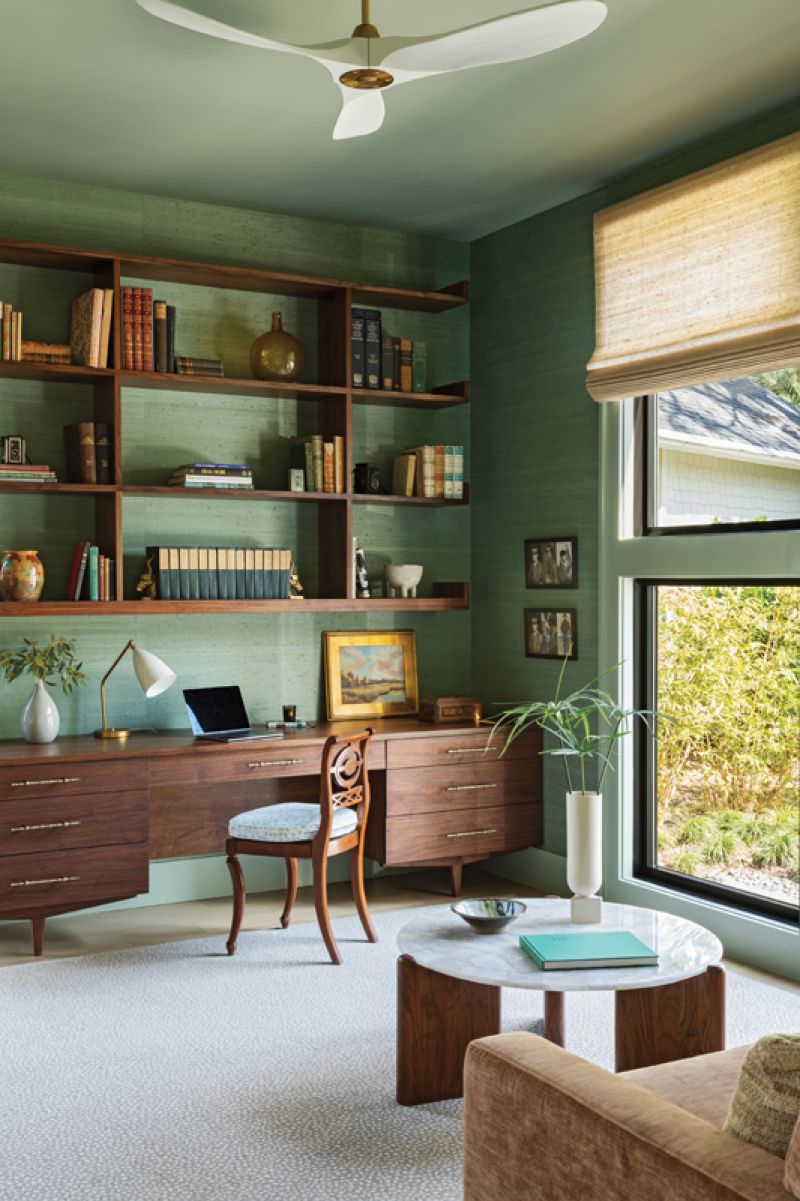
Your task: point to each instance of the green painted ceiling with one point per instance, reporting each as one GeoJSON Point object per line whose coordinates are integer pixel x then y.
{"type": "Point", "coordinates": [99, 91]}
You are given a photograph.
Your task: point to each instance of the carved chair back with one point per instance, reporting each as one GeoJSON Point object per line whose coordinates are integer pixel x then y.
{"type": "Point", "coordinates": [344, 779]}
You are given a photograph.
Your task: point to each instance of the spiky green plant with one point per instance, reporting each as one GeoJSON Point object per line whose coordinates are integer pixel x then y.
{"type": "Point", "coordinates": [569, 721]}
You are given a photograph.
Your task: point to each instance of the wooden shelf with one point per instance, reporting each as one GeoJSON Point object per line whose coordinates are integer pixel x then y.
{"type": "Point", "coordinates": [148, 608]}
{"type": "Point", "coordinates": [442, 398]}
{"type": "Point", "coordinates": [375, 498]}
{"type": "Point", "coordinates": [333, 300]}
{"type": "Point", "coordinates": [230, 386]}
{"type": "Point", "coordinates": [228, 493]}
{"type": "Point", "coordinates": [60, 489]}
{"type": "Point", "coordinates": [55, 372]}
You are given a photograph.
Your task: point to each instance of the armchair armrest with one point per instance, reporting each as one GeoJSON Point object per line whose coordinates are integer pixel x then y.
{"type": "Point", "coordinates": [541, 1124]}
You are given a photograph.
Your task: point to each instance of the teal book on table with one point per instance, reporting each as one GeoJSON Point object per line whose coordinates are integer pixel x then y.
{"type": "Point", "coordinates": [611, 948]}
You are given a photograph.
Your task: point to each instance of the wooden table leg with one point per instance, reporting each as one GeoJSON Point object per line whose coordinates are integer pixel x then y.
{"type": "Point", "coordinates": [437, 1017]}
{"type": "Point", "coordinates": [673, 1021]}
{"type": "Point", "coordinates": [554, 1017]}
{"type": "Point", "coordinates": [456, 873]}
{"type": "Point", "coordinates": [37, 934]}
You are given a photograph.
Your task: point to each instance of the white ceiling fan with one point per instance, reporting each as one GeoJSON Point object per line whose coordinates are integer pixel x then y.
{"type": "Point", "coordinates": [366, 63]}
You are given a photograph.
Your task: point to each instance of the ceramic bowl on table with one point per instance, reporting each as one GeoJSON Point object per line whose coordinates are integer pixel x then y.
{"type": "Point", "coordinates": [489, 915]}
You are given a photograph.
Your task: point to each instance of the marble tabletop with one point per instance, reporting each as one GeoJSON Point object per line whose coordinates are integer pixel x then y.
{"type": "Point", "coordinates": [440, 940]}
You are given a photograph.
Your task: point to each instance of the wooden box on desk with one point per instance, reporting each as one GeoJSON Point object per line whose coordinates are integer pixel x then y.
{"type": "Point", "coordinates": [451, 708]}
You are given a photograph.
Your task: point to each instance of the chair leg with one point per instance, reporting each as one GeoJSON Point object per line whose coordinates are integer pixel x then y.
{"type": "Point", "coordinates": [291, 890]}
{"type": "Point", "coordinates": [321, 905]}
{"type": "Point", "coordinates": [239, 895]}
{"type": "Point", "coordinates": [357, 881]}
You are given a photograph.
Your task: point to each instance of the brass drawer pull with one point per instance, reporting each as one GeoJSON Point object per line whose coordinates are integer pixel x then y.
{"type": "Point", "coordinates": [49, 880]}
{"type": "Point", "coordinates": [470, 750]}
{"type": "Point", "coordinates": [472, 833]}
{"type": "Point", "coordinates": [468, 787]}
{"type": "Point", "coordinates": [44, 826]}
{"type": "Point", "coordinates": [34, 783]}
{"type": "Point", "coordinates": [276, 762]}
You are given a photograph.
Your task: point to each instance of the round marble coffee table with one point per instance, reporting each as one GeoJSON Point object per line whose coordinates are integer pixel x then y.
{"type": "Point", "coordinates": [449, 982]}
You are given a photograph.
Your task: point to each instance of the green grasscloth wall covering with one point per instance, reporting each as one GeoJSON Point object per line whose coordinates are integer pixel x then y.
{"type": "Point", "coordinates": [278, 658]}
{"type": "Point", "coordinates": [535, 432]}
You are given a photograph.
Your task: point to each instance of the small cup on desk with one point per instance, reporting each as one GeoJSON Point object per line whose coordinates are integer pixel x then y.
{"type": "Point", "coordinates": [290, 712]}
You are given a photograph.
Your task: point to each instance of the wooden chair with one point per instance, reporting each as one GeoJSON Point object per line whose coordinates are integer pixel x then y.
{"type": "Point", "coordinates": [295, 831]}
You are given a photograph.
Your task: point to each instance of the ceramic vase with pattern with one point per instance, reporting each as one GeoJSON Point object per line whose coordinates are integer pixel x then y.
{"type": "Point", "coordinates": [40, 719]}
{"type": "Point", "coordinates": [277, 354]}
{"type": "Point", "coordinates": [21, 575]}
{"type": "Point", "coordinates": [585, 855]}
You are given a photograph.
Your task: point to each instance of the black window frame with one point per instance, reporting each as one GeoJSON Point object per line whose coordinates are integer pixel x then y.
{"type": "Point", "coordinates": [647, 484]}
{"type": "Point", "coordinates": [645, 859]}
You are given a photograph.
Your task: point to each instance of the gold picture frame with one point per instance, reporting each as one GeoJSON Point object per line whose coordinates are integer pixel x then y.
{"type": "Point", "coordinates": [370, 673]}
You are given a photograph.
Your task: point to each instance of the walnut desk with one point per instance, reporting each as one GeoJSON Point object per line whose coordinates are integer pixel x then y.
{"type": "Point", "coordinates": [80, 819]}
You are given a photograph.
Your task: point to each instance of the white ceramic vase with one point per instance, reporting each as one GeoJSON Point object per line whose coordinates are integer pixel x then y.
{"type": "Point", "coordinates": [40, 719]}
{"type": "Point", "coordinates": [585, 855]}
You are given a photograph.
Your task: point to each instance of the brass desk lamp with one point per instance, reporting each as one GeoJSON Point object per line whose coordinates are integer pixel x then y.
{"type": "Point", "coordinates": [154, 678]}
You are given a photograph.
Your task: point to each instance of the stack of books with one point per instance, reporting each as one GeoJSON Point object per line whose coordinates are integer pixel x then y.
{"type": "Point", "coordinates": [382, 361]}
{"type": "Point", "coordinates": [90, 331]}
{"type": "Point", "coordinates": [432, 471]}
{"type": "Point", "coordinates": [220, 572]}
{"type": "Point", "coordinates": [92, 576]}
{"type": "Point", "coordinates": [26, 473]}
{"type": "Point", "coordinates": [47, 352]}
{"type": "Point", "coordinates": [321, 462]}
{"type": "Point", "coordinates": [212, 475]}
{"type": "Point", "coordinates": [188, 366]}
{"type": "Point", "coordinates": [88, 451]}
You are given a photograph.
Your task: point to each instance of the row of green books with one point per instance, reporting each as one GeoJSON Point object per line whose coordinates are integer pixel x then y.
{"type": "Point", "coordinates": [220, 572]}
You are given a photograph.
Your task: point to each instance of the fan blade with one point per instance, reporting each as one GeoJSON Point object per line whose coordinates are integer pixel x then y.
{"type": "Point", "coordinates": [362, 113]}
{"type": "Point", "coordinates": [516, 36]}
{"type": "Point", "coordinates": [175, 14]}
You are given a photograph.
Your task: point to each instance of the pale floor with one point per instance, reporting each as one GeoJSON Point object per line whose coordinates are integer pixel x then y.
{"type": "Point", "coordinates": [118, 929]}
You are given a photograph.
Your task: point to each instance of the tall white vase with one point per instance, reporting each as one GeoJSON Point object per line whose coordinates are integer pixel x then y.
{"type": "Point", "coordinates": [585, 855]}
{"type": "Point", "coordinates": [40, 719]}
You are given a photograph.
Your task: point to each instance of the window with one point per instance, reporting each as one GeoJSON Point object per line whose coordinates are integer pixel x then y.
{"type": "Point", "coordinates": [724, 454]}
{"type": "Point", "coordinates": [719, 789]}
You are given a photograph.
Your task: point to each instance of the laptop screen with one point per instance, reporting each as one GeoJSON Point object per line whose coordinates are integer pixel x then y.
{"type": "Point", "coordinates": [216, 710]}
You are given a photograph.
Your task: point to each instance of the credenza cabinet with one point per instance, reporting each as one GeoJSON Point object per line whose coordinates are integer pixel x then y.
{"type": "Point", "coordinates": [81, 819]}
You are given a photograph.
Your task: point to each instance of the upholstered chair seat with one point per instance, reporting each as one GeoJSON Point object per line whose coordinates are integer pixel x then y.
{"type": "Point", "coordinates": [289, 822]}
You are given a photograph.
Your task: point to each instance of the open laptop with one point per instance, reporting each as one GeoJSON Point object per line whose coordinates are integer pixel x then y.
{"type": "Point", "coordinates": [219, 715]}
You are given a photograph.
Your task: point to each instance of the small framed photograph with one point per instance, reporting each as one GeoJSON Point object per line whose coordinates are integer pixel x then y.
{"type": "Point", "coordinates": [370, 673]}
{"type": "Point", "coordinates": [297, 479]}
{"type": "Point", "coordinates": [551, 633]}
{"type": "Point", "coordinates": [551, 563]}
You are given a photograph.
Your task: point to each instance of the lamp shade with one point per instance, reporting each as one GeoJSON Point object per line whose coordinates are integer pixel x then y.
{"type": "Point", "coordinates": [152, 673]}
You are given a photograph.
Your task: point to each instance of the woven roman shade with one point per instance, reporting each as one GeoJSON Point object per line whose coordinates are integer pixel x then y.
{"type": "Point", "coordinates": [699, 280]}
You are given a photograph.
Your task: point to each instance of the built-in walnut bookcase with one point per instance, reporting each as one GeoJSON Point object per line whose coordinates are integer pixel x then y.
{"type": "Point", "coordinates": [333, 399]}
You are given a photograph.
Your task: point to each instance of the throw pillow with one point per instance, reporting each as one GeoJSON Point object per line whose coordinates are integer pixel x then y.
{"type": "Point", "coordinates": [766, 1103]}
{"type": "Point", "coordinates": [792, 1176]}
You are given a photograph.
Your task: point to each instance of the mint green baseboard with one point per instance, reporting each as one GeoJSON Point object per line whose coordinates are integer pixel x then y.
{"type": "Point", "coordinates": [535, 868]}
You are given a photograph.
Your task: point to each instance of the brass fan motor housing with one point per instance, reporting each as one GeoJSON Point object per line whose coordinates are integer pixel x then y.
{"type": "Point", "coordinates": [366, 78]}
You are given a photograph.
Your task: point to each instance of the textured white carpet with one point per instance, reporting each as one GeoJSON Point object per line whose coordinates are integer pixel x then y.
{"type": "Point", "coordinates": [174, 1073]}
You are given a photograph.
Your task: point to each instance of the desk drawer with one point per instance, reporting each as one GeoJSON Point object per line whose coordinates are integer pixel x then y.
{"type": "Point", "coordinates": [55, 824]}
{"type": "Point", "coordinates": [465, 786]}
{"type": "Point", "coordinates": [472, 745]}
{"type": "Point", "coordinates": [58, 777]}
{"type": "Point", "coordinates": [462, 834]}
{"type": "Point", "coordinates": [72, 878]}
{"type": "Point", "coordinates": [257, 762]}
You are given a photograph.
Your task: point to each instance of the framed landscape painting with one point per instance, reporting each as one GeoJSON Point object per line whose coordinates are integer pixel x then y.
{"type": "Point", "coordinates": [370, 673]}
